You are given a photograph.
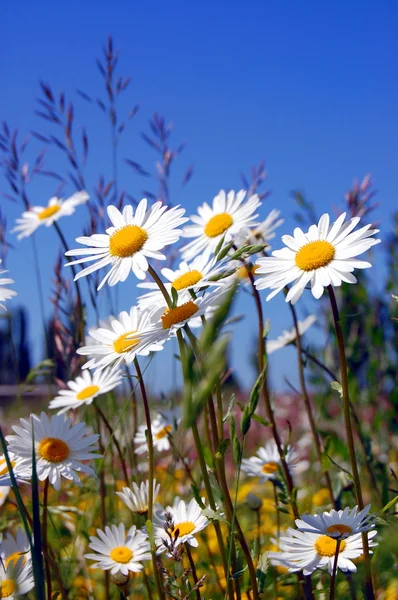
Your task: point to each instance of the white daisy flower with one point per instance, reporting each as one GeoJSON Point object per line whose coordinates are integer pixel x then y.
{"type": "Point", "coordinates": [12, 549]}
{"type": "Point", "coordinates": [338, 524]}
{"type": "Point", "coordinates": [5, 293]}
{"type": "Point", "coordinates": [323, 256]}
{"type": "Point", "coordinates": [163, 426]}
{"type": "Point", "coordinates": [21, 471]}
{"type": "Point", "coordinates": [309, 551]}
{"type": "Point", "coordinates": [47, 215]}
{"type": "Point", "coordinates": [288, 337]}
{"type": "Point", "coordinates": [15, 580]}
{"type": "Point", "coordinates": [136, 499]}
{"type": "Point", "coordinates": [182, 521]}
{"type": "Point", "coordinates": [60, 447]}
{"type": "Point", "coordinates": [193, 276]}
{"type": "Point", "coordinates": [85, 388]}
{"type": "Point", "coordinates": [136, 333]}
{"type": "Point", "coordinates": [266, 229]}
{"type": "Point", "coordinates": [4, 491]}
{"type": "Point", "coordinates": [230, 216]}
{"type": "Point", "coordinates": [267, 462]}
{"type": "Point", "coordinates": [188, 311]}
{"type": "Point", "coordinates": [118, 551]}
{"type": "Point", "coordinates": [130, 241]}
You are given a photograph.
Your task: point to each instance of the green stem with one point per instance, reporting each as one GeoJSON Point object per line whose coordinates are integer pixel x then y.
{"type": "Point", "coordinates": [116, 442]}
{"type": "Point", "coordinates": [102, 502]}
{"type": "Point", "coordinates": [205, 474]}
{"type": "Point", "coordinates": [45, 540]}
{"type": "Point", "coordinates": [350, 438]}
{"type": "Point", "coordinates": [307, 404]}
{"type": "Point", "coordinates": [158, 583]}
{"type": "Point", "coordinates": [161, 286]}
{"type": "Point", "coordinates": [305, 581]}
{"type": "Point", "coordinates": [193, 569]}
{"type": "Point", "coordinates": [334, 571]}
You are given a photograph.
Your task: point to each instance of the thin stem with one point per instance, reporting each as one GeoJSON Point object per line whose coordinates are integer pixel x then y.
{"type": "Point", "coordinates": [333, 577]}
{"type": "Point", "coordinates": [102, 502]}
{"type": "Point", "coordinates": [115, 441]}
{"type": "Point", "coordinates": [357, 422]}
{"type": "Point", "coordinates": [305, 581]}
{"type": "Point", "coordinates": [350, 438]}
{"type": "Point", "coordinates": [266, 396]}
{"type": "Point", "coordinates": [307, 404]}
{"type": "Point", "coordinates": [44, 534]}
{"type": "Point", "coordinates": [193, 569]}
{"type": "Point", "coordinates": [213, 506]}
{"type": "Point", "coordinates": [158, 583]}
{"type": "Point", "coordinates": [161, 286]}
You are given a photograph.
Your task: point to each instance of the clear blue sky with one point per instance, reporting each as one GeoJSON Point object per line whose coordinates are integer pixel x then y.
{"type": "Point", "coordinates": [310, 87]}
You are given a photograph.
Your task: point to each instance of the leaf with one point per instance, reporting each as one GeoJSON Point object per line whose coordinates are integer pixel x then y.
{"type": "Point", "coordinates": [341, 468]}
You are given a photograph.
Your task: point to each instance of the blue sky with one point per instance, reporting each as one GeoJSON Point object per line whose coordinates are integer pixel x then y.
{"type": "Point", "coordinates": [310, 87]}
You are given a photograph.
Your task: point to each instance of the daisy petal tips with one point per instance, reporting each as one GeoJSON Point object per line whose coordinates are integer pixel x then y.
{"type": "Point", "coordinates": [133, 238]}
{"type": "Point", "coordinates": [323, 256]}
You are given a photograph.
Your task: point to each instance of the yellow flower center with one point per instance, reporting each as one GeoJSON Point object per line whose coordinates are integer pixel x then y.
{"type": "Point", "coordinates": [7, 588]}
{"type": "Point", "coordinates": [243, 271]}
{"type": "Point", "coordinates": [14, 557]}
{"type": "Point", "coordinates": [269, 467]}
{"type": "Point", "coordinates": [127, 241]}
{"type": "Point", "coordinates": [218, 224]}
{"type": "Point", "coordinates": [163, 432]}
{"type": "Point", "coordinates": [122, 344]}
{"type": "Point", "coordinates": [315, 255]}
{"type": "Point", "coordinates": [326, 546]}
{"type": "Point", "coordinates": [3, 466]}
{"type": "Point", "coordinates": [172, 316]}
{"type": "Point", "coordinates": [48, 212]}
{"type": "Point", "coordinates": [87, 392]}
{"type": "Point", "coordinates": [184, 281]}
{"type": "Point", "coordinates": [121, 554]}
{"type": "Point", "coordinates": [53, 449]}
{"type": "Point", "coordinates": [184, 528]}
{"type": "Point", "coordinates": [339, 528]}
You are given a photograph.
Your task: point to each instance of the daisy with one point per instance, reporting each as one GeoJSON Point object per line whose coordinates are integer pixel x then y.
{"type": "Point", "coordinates": [230, 216]}
{"type": "Point", "coordinates": [266, 229]}
{"type": "Point", "coordinates": [163, 426]}
{"type": "Point", "coordinates": [40, 215]}
{"type": "Point", "coordinates": [85, 388]}
{"type": "Point", "coordinates": [130, 241]}
{"type": "Point", "coordinates": [136, 499]}
{"type": "Point", "coordinates": [172, 319]}
{"type": "Point", "coordinates": [178, 524]}
{"type": "Point", "coordinates": [193, 276]}
{"type": "Point", "coordinates": [338, 524]}
{"type": "Point", "coordinates": [59, 446]}
{"type": "Point", "coordinates": [267, 462]}
{"type": "Point", "coordinates": [16, 579]}
{"type": "Point", "coordinates": [323, 256]}
{"type": "Point", "coordinates": [21, 471]}
{"type": "Point", "coordinates": [5, 293]}
{"type": "Point", "coordinates": [118, 551]}
{"type": "Point", "coordinates": [136, 333]}
{"type": "Point", "coordinates": [288, 337]}
{"type": "Point", "coordinates": [309, 551]}
{"type": "Point", "coordinates": [12, 549]}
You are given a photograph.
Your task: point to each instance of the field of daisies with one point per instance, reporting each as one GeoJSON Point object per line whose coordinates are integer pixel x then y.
{"type": "Point", "coordinates": [110, 491]}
